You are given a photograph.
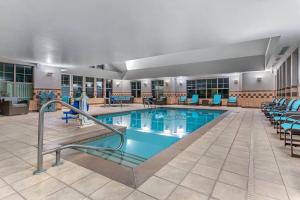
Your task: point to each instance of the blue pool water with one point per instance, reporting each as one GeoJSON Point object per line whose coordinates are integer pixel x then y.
{"type": "Point", "coordinates": [149, 132]}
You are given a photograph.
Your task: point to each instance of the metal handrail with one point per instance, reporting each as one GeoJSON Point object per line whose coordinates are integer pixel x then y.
{"type": "Point", "coordinates": [41, 152]}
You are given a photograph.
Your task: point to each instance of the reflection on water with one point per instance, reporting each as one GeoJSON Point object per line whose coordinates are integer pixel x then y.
{"type": "Point", "coordinates": [161, 121]}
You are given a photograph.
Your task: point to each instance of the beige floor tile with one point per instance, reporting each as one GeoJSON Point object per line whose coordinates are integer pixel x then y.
{"type": "Point", "coordinates": [198, 183]}
{"type": "Point", "coordinates": [14, 196]}
{"type": "Point", "coordinates": [112, 191]}
{"type": "Point", "coordinates": [187, 155]}
{"type": "Point", "coordinates": [227, 192]}
{"type": "Point", "coordinates": [43, 189]}
{"type": "Point", "coordinates": [234, 179]}
{"type": "Point", "coordinates": [206, 171]}
{"type": "Point", "coordinates": [171, 173]}
{"type": "Point", "coordinates": [157, 187]}
{"type": "Point", "coordinates": [90, 183]}
{"type": "Point", "coordinates": [268, 176]}
{"type": "Point", "coordinates": [6, 191]}
{"type": "Point", "coordinates": [270, 190]}
{"type": "Point", "coordinates": [293, 193]}
{"type": "Point", "coordinates": [73, 175]}
{"type": "Point", "coordinates": [137, 195]}
{"type": "Point", "coordinates": [236, 168]}
{"type": "Point", "coordinates": [64, 194]}
{"type": "Point", "coordinates": [12, 178]}
{"type": "Point", "coordinates": [182, 164]}
{"type": "Point", "coordinates": [211, 162]}
{"type": "Point", "coordinates": [181, 193]}
{"type": "Point", "coordinates": [29, 181]}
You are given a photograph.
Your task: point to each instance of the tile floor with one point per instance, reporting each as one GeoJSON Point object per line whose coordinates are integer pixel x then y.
{"type": "Point", "coordinates": [239, 158]}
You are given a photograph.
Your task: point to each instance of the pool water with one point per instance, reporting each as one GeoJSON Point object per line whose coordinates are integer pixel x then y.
{"type": "Point", "coordinates": [149, 132]}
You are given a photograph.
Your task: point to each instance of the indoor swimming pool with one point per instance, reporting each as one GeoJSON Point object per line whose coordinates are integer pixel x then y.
{"type": "Point", "coordinates": [149, 131]}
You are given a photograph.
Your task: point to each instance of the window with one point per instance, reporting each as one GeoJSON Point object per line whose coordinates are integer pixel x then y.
{"type": "Point", "coordinates": [157, 88]}
{"type": "Point", "coordinates": [99, 83]}
{"type": "Point", "coordinates": [24, 73]}
{"type": "Point", "coordinates": [207, 88]}
{"type": "Point", "coordinates": [136, 89]}
{"type": "Point", "coordinates": [65, 85]}
{"type": "Point", "coordinates": [77, 86]}
{"type": "Point", "coordinates": [89, 87]}
{"type": "Point", "coordinates": [109, 85]}
{"type": "Point", "coordinates": [21, 86]}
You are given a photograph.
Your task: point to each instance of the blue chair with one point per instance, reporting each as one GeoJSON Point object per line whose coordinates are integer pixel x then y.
{"type": "Point", "coordinates": [291, 127]}
{"type": "Point", "coordinates": [217, 100]}
{"type": "Point", "coordinates": [66, 99]}
{"type": "Point", "coordinates": [71, 114]}
{"type": "Point", "coordinates": [232, 101]}
{"type": "Point", "coordinates": [195, 100]}
{"type": "Point", "coordinates": [182, 100]}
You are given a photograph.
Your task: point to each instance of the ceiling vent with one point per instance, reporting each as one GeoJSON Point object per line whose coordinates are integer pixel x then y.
{"type": "Point", "coordinates": [283, 50]}
{"type": "Point", "coordinates": [92, 67]}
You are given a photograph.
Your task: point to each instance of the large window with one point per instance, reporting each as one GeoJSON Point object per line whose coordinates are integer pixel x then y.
{"type": "Point", "coordinates": [89, 87]}
{"type": "Point", "coordinates": [109, 86]}
{"type": "Point", "coordinates": [23, 73]}
{"type": "Point", "coordinates": [16, 80]}
{"type": "Point", "coordinates": [99, 83]}
{"type": "Point", "coordinates": [65, 85]}
{"type": "Point", "coordinates": [207, 88]}
{"type": "Point", "coordinates": [77, 86]}
{"type": "Point", "coordinates": [157, 88]}
{"type": "Point", "coordinates": [136, 89]}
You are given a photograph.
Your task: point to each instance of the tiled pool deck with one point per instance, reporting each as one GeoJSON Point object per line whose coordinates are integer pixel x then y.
{"type": "Point", "coordinates": [239, 158]}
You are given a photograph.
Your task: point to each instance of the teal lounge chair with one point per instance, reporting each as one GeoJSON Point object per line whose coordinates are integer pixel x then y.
{"type": "Point", "coordinates": [292, 128]}
{"type": "Point", "coordinates": [217, 100]}
{"type": "Point", "coordinates": [182, 100]}
{"type": "Point", "coordinates": [232, 101]}
{"type": "Point", "coordinates": [195, 100]}
{"type": "Point", "coordinates": [279, 118]}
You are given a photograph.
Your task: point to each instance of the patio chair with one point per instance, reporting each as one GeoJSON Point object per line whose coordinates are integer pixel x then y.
{"type": "Point", "coordinates": [279, 118]}
{"type": "Point", "coordinates": [232, 101]}
{"type": "Point", "coordinates": [280, 108]}
{"type": "Point", "coordinates": [182, 100]}
{"type": "Point", "coordinates": [269, 108]}
{"type": "Point", "coordinates": [217, 100]}
{"type": "Point", "coordinates": [195, 100]}
{"type": "Point", "coordinates": [162, 100]}
{"type": "Point", "coordinates": [71, 114]}
{"type": "Point", "coordinates": [264, 104]}
{"type": "Point", "coordinates": [291, 128]}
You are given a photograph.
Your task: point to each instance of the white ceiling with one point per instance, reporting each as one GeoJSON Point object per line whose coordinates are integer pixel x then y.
{"type": "Point", "coordinates": [81, 33]}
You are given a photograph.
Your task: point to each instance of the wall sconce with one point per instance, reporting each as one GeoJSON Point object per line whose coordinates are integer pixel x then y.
{"type": "Point", "coordinates": [259, 79]}
{"type": "Point", "coordinates": [118, 84]}
{"type": "Point", "coordinates": [167, 83]}
{"type": "Point", "coordinates": [49, 73]}
{"type": "Point", "coordinates": [236, 81]}
{"type": "Point", "coordinates": [145, 84]}
{"type": "Point", "coordinates": [180, 82]}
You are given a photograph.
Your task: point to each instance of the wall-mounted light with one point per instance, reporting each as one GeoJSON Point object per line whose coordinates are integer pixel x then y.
{"type": "Point", "coordinates": [259, 79]}
{"type": "Point", "coordinates": [49, 73]}
{"type": "Point", "coordinates": [145, 84]}
{"type": "Point", "coordinates": [236, 81]}
{"type": "Point", "coordinates": [167, 83]}
{"type": "Point", "coordinates": [63, 70]}
{"type": "Point", "coordinates": [180, 82]}
{"type": "Point", "coordinates": [118, 84]}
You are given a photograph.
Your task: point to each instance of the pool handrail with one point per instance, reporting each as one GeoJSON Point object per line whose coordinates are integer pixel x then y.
{"type": "Point", "coordinates": [41, 152]}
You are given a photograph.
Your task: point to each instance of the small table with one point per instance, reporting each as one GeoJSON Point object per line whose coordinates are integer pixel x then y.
{"type": "Point", "coordinates": [205, 102]}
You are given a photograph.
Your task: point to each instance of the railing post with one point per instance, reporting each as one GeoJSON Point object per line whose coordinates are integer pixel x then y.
{"type": "Point", "coordinates": [40, 168]}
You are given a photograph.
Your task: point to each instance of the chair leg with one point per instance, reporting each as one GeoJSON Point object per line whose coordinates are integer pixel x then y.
{"type": "Point", "coordinates": [291, 142]}
{"type": "Point", "coordinates": [284, 138]}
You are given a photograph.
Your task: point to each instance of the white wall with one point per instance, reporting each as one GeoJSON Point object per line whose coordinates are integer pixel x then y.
{"type": "Point", "coordinates": [43, 80]}
{"type": "Point", "coordinates": [250, 82]}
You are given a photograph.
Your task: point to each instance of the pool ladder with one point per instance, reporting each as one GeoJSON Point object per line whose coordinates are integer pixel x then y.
{"type": "Point", "coordinates": [58, 149]}
{"type": "Point", "coordinates": [149, 103]}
